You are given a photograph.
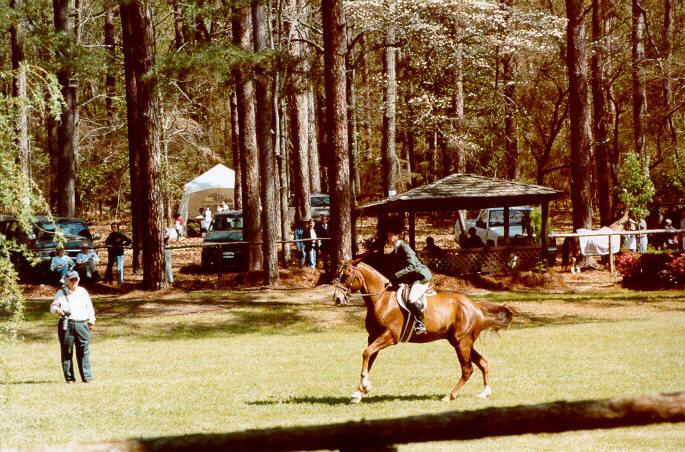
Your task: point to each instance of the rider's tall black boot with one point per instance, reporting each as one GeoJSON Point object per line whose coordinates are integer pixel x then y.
{"type": "Point", "coordinates": [419, 327]}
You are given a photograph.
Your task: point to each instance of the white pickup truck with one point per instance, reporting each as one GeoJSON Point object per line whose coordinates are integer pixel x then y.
{"type": "Point", "coordinates": [489, 223]}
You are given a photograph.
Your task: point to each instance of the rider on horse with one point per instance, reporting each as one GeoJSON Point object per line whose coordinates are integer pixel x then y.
{"type": "Point", "coordinates": [405, 267]}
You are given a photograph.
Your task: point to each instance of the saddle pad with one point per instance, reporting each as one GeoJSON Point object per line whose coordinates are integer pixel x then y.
{"type": "Point", "coordinates": [408, 326]}
{"type": "Point", "coordinates": [403, 294]}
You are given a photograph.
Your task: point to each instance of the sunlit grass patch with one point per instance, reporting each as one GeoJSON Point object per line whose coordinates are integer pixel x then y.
{"type": "Point", "coordinates": [222, 363]}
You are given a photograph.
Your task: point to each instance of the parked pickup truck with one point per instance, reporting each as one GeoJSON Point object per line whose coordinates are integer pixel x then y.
{"type": "Point", "coordinates": [489, 224]}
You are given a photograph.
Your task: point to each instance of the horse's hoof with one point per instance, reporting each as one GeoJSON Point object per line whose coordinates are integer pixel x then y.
{"type": "Point", "coordinates": [486, 393]}
{"type": "Point", "coordinates": [447, 398]}
{"type": "Point", "coordinates": [356, 398]}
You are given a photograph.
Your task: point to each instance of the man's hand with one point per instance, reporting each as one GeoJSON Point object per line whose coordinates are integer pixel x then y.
{"type": "Point", "coordinates": [59, 312]}
{"type": "Point", "coordinates": [90, 327]}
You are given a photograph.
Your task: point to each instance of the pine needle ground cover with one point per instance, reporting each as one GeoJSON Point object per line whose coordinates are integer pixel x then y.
{"type": "Point", "coordinates": [228, 361]}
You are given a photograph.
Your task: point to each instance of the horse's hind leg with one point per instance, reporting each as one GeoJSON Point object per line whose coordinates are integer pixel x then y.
{"type": "Point", "coordinates": [482, 364]}
{"type": "Point", "coordinates": [463, 348]}
{"type": "Point", "coordinates": [369, 355]}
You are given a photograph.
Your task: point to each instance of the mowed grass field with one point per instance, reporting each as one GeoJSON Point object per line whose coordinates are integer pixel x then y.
{"type": "Point", "coordinates": [209, 362]}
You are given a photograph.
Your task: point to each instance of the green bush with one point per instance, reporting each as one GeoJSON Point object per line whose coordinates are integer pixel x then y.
{"type": "Point", "coordinates": [652, 270]}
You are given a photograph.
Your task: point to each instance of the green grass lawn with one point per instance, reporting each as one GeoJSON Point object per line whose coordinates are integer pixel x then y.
{"type": "Point", "coordinates": [227, 361]}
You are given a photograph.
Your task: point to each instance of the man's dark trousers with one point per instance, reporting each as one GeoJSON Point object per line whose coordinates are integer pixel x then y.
{"type": "Point", "coordinates": [76, 334]}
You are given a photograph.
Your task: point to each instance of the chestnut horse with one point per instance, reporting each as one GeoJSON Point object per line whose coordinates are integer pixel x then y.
{"type": "Point", "coordinates": [449, 316]}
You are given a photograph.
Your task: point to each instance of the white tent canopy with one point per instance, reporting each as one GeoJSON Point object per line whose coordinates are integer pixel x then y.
{"type": "Point", "coordinates": [208, 189]}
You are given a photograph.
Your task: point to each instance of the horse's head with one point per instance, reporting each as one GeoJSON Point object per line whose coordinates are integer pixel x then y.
{"type": "Point", "coordinates": [349, 280]}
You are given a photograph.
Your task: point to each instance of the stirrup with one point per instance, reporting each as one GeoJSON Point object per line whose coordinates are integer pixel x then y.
{"type": "Point", "coordinates": [419, 327]}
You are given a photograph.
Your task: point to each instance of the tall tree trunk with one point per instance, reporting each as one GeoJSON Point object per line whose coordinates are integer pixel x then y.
{"type": "Point", "coordinates": [110, 80]}
{"type": "Point", "coordinates": [138, 14]}
{"type": "Point", "coordinates": [133, 142]}
{"type": "Point", "coordinates": [599, 117]}
{"type": "Point", "coordinates": [639, 91]}
{"type": "Point", "coordinates": [335, 48]}
{"type": "Point", "coordinates": [299, 131]}
{"type": "Point", "coordinates": [249, 154]}
{"type": "Point", "coordinates": [581, 136]}
{"type": "Point", "coordinates": [17, 35]}
{"type": "Point", "coordinates": [459, 158]}
{"type": "Point", "coordinates": [352, 131]}
{"type": "Point", "coordinates": [511, 148]}
{"type": "Point", "coordinates": [411, 140]}
{"type": "Point", "coordinates": [667, 56]}
{"type": "Point", "coordinates": [298, 106]}
{"type": "Point", "coordinates": [389, 163]}
{"type": "Point", "coordinates": [235, 153]}
{"type": "Point", "coordinates": [67, 128]}
{"type": "Point", "coordinates": [267, 156]}
{"type": "Point", "coordinates": [314, 166]}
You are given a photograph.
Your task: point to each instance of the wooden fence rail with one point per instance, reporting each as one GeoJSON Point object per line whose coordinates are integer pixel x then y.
{"type": "Point", "coordinates": [382, 434]}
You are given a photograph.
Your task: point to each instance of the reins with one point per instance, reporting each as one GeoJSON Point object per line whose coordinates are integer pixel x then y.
{"type": "Point", "coordinates": [362, 282]}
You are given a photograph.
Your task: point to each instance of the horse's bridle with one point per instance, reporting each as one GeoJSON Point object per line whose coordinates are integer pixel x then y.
{"type": "Point", "coordinates": [346, 289]}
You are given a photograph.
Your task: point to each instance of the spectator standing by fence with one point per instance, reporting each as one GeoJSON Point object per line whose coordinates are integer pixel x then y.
{"type": "Point", "coordinates": [323, 231]}
{"type": "Point", "coordinates": [298, 234]}
{"type": "Point", "coordinates": [310, 245]}
{"type": "Point", "coordinates": [629, 241]}
{"type": "Point", "coordinates": [178, 225]}
{"type": "Point", "coordinates": [642, 226]}
{"type": "Point", "coordinates": [116, 241]}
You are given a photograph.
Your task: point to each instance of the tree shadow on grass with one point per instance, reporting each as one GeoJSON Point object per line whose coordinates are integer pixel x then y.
{"type": "Point", "coordinates": [273, 320]}
{"type": "Point", "coordinates": [26, 382]}
{"type": "Point", "coordinates": [525, 320]}
{"type": "Point", "coordinates": [330, 400]}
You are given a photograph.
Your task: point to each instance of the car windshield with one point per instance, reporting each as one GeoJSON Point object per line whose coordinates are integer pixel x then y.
{"type": "Point", "coordinates": [46, 230]}
{"type": "Point", "coordinates": [227, 222]}
{"type": "Point", "coordinates": [515, 217]}
{"type": "Point", "coordinates": [320, 201]}
{"type": "Point", "coordinates": [234, 236]}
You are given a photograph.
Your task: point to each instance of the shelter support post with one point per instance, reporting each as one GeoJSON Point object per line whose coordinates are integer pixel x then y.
{"type": "Point", "coordinates": [544, 233]}
{"type": "Point", "coordinates": [611, 256]}
{"type": "Point", "coordinates": [412, 229]}
{"type": "Point", "coordinates": [506, 225]}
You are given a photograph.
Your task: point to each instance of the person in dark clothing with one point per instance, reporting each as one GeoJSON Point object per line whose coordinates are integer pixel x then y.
{"type": "Point", "coordinates": [115, 242]}
{"type": "Point", "coordinates": [323, 231]}
{"type": "Point", "coordinates": [405, 268]}
{"type": "Point", "coordinates": [473, 241]}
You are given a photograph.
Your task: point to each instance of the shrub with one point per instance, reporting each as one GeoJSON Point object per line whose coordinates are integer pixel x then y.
{"type": "Point", "coordinates": [674, 273]}
{"type": "Point", "coordinates": [653, 270]}
{"type": "Point", "coordinates": [628, 264]}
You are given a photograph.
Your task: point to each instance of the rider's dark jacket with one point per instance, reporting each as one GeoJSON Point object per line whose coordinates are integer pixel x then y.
{"type": "Point", "coordinates": [404, 267]}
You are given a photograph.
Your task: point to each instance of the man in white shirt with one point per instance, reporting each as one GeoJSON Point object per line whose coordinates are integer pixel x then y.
{"type": "Point", "coordinates": [73, 306]}
{"type": "Point", "coordinates": [86, 262]}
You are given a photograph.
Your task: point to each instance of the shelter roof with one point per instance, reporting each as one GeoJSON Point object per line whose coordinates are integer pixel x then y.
{"type": "Point", "coordinates": [463, 191]}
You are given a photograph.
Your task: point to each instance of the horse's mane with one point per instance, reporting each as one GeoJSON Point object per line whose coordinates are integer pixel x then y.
{"type": "Point", "coordinates": [373, 270]}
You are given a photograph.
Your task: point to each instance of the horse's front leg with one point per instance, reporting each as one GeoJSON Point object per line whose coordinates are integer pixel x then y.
{"type": "Point", "coordinates": [369, 355]}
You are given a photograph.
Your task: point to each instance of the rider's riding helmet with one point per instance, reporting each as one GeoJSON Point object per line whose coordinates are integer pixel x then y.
{"type": "Point", "coordinates": [395, 224]}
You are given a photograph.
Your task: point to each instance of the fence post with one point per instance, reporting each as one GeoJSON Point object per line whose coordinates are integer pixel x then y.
{"type": "Point", "coordinates": [611, 256]}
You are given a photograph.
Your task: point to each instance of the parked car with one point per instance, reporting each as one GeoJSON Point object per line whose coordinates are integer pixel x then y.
{"type": "Point", "coordinates": [320, 205]}
{"type": "Point", "coordinates": [226, 227]}
{"type": "Point", "coordinates": [489, 223]}
{"type": "Point", "coordinates": [43, 240]}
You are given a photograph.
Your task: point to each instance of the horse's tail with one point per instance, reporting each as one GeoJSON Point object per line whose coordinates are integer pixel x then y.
{"type": "Point", "coordinates": [503, 315]}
